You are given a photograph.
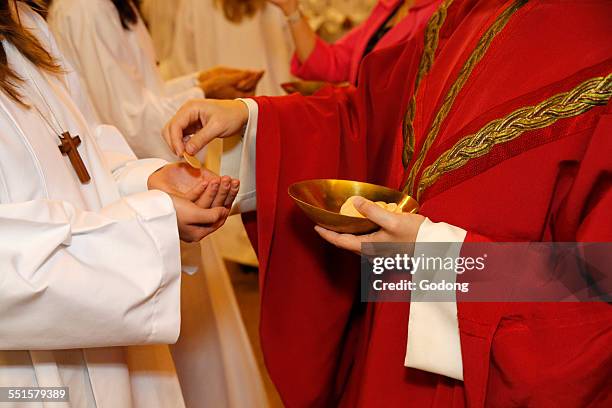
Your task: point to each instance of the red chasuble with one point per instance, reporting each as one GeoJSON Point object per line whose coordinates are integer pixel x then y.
{"type": "Point", "coordinates": [512, 142]}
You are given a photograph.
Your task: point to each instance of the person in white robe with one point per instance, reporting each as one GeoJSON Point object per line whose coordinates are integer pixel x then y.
{"type": "Point", "coordinates": [118, 65]}
{"type": "Point", "coordinates": [204, 37]}
{"type": "Point", "coordinates": [90, 272]}
{"type": "Point", "coordinates": [117, 62]}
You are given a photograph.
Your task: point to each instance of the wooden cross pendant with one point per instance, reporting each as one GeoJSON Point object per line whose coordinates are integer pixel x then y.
{"type": "Point", "coordinates": [69, 147]}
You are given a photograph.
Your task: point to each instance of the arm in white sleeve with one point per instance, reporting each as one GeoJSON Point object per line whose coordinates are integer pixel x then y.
{"type": "Point", "coordinates": [433, 342]}
{"type": "Point", "coordinates": [131, 174]}
{"type": "Point", "coordinates": [239, 162]}
{"type": "Point", "coordinates": [73, 279]}
{"type": "Point", "coordinates": [93, 43]}
{"type": "Point", "coordinates": [183, 83]}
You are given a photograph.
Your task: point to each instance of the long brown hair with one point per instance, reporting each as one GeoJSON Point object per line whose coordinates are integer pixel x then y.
{"type": "Point", "coordinates": [28, 45]}
{"type": "Point", "coordinates": [127, 9]}
{"type": "Point", "coordinates": [236, 10]}
{"type": "Point", "coordinates": [128, 12]}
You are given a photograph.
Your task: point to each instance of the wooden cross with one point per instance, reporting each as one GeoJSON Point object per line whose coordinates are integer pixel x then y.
{"type": "Point", "coordinates": [69, 147]}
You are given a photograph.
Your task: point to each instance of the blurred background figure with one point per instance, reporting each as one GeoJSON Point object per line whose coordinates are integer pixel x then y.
{"type": "Point", "coordinates": [331, 19]}
{"type": "Point", "coordinates": [242, 34]}
{"type": "Point", "coordinates": [318, 60]}
{"type": "Point", "coordinates": [237, 33]}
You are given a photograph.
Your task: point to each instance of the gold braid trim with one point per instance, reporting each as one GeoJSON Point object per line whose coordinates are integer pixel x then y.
{"type": "Point", "coordinates": [432, 36]}
{"type": "Point", "coordinates": [479, 52]}
{"type": "Point", "coordinates": [584, 97]}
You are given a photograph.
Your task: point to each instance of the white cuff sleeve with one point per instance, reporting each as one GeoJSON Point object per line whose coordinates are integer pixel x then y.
{"type": "Point", "coordinates": [131, 174]}
{"type": "Point", "coordinates": [433, 329]}
{"type": "Point", "coordinates": [239, 162]}
{"type": "Point", "coordinates": [181, 84]}
{"type": "Point", "coordinates": [132, 178]}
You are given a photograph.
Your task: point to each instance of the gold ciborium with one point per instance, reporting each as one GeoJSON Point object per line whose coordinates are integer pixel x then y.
{"type": "Point", "coordinates": [321, 200]}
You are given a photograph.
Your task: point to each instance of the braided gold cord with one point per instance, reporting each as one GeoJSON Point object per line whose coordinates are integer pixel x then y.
{"type": "Point", "coordinates": [479, 51]}
{"type": "Point", "coordinates": [432, 35]}
{"type": "Point", "coordinates": [591, 93]}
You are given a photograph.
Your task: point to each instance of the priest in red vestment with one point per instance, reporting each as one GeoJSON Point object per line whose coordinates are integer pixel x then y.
{"type": "Point", "coordinates": [497, 118]}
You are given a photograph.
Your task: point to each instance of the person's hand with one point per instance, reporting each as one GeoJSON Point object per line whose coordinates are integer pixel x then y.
{"type": "Point", "coordinates": [180, 179]}
{"type": "Point", "coordinates": [201, 199]}
{"type": "Point", "coordinates": [200, 121]}
{"type": "Point", "coordinates": [194, 222]}
{"type": "Point", "coordinates": [249, 84]}
{"type": "Point", "coordinates": [287, 6]}
{"type": "Point", "coordinates": [220, 70]}
{"type": "Point", "coordinates": [305, 88]}
{"type": "Point", "coordinates": [394, 227]}
{"type": "Point", "coordinates": [229, 83]}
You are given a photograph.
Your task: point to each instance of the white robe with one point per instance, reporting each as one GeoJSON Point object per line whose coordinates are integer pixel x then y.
{"type": "Point", "coordinates": [204, 38]}
{"type": "Point", "coordinates": [84, 269]}
{"type": "Point", "coordinates": [161, 13]}
{"type": "Point", "coordinates": [119, 70]}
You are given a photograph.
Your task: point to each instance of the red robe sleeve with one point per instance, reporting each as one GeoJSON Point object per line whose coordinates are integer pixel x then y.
{"type": "Point", "coordinates": [327, 62]}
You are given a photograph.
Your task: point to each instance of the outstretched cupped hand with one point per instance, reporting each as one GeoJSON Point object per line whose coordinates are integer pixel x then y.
{"type": "Point", "coordinates": [202, 200]}
{"type": "Point", "coordinates": [200, 186]}
{"type": "Point", "coordinates": [230, 83]}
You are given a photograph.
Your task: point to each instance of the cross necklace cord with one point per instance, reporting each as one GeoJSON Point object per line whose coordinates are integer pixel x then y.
{"type": "Point", "coordinates": [68, 144]}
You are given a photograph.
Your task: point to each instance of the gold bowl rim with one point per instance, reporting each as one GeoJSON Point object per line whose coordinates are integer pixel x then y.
{"type": "Point", "coordinates": [350, 181]}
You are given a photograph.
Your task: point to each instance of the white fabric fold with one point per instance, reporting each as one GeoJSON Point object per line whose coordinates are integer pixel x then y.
{"type": "Point", "coordinates": [65, 261]}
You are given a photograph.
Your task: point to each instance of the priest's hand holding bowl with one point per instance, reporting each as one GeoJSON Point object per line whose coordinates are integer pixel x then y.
{"type": "Point", "coordinates": [201, 198]}
{"type": "Point", "coordinates": [229, 83]}
{"type": "Point", "coordinates": [394, 227]}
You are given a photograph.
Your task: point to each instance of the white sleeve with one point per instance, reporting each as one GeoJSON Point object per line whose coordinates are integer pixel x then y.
{"type": "Point", "coordinates": [74, 279]}
{"type": "Point", "coordinates": [181, 84]}
{"type": "Point", "coordinates": [433, 329]}
{"type": "Point", "coordinates": [239, 162]}
{"type": "Point", "coordinates": [92, 42]}
{"type": "Point", "coordinates": [131, 174]}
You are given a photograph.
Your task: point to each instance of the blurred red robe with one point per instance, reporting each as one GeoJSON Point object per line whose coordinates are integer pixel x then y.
{"type": "Point", "coordinates": [552, 182]}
